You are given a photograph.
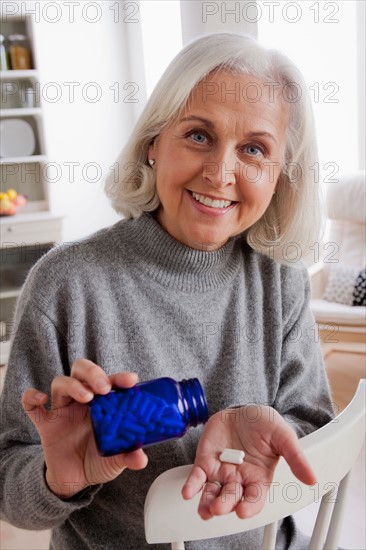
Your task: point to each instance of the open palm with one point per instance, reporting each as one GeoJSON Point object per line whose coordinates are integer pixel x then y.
{"type": "Point", "coordinates": [264, 436]}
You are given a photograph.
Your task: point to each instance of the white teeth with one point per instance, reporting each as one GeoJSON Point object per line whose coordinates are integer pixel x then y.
{"type": "Point", "coordinates": [209, 202]}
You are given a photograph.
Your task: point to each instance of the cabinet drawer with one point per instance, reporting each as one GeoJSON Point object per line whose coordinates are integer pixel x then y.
{"type": "Point", "coordinates": [43, 231]}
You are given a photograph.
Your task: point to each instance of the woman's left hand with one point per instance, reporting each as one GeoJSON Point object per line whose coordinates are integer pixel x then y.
{"type": "Point", "coordinates": [264, 436]}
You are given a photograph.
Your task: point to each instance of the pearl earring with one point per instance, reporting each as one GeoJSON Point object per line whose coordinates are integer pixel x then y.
{"type": "Point", "coordinates": [151, 162]}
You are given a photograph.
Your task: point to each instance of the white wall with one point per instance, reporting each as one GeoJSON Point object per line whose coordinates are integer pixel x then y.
{"type": "Point", "coordinates": [81, 131]}
{"type": "Point", "coordinates": [159, 47]}
{"type": "Point", "coordinates": [361, 64]}
{"type": "Point", "coordinates": [199, 17]}
{"type": "Point", "coordinates": [322, 42]}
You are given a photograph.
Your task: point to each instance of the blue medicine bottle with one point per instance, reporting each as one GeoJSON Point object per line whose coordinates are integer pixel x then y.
{"type": "Point", "coordinates": [148, 413]}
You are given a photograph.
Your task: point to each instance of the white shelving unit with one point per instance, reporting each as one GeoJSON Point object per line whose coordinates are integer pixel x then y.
{"type": "Point", "coordinates": [36, 111]}
{"type": "Point", "coordinates": [33, 229]}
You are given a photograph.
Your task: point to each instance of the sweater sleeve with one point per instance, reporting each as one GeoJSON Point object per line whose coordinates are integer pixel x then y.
{"type": "Point", "coordinates": [38, 354]}
{"type": "Point", "coordinates": [303, 397]}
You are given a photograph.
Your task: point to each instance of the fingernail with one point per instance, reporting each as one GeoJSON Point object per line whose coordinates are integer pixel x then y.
{"type": "Point", "coordinates": [102, 385]}
{"type": "Point", "coordinates": [38, 396]}
{"type": "Point", "coordinates": [86, 394]}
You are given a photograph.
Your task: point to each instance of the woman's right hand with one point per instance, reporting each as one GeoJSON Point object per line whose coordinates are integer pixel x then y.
{"type": "Point", "coordinates": [70, 453]}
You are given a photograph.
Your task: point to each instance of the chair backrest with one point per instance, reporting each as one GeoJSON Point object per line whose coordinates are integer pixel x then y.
{"type": "Point", "coordinates": [332, 451]}
{"type": "Point", "coordinates": [346, 212]}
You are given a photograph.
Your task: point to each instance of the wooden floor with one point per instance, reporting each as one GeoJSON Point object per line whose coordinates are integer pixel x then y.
{"type": "Point", "coordinates": [345, 367]}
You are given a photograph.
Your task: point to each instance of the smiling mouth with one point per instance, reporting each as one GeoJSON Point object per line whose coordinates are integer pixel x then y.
{"type": "Point", "coordinates": [212, 203]}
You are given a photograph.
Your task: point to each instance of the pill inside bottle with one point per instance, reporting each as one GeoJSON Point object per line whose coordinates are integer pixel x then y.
{"type": "Point", "coordinates": [148, 413]}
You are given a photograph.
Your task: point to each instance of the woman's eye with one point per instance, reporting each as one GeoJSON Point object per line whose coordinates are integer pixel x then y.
{"type": "Point", "coordinates": [198, 137]}
{"type": "Point", "coordinates": [254, 150]}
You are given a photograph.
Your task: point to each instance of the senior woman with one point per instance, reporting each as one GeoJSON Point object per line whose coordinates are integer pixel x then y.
{"type": "Point", "coordinates": [214, 185]}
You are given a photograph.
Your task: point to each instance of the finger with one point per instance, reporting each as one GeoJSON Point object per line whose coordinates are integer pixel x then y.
{"type": "Point", "coordinates": [252, 501]}
{"type": "Point", "coordinates": [300, 467]}
{"type": "Point", "coordinates": [64, 389]}
{"type": "Point", "coordinates": [136, 460]}
{"type": "Point", "coordinates": [195, 481]}
{"type": "Point", "coordinates": [230, 496]}
{"type": "Point", "coordinates": [289, 447]}
{"type": "Point", "coordinates": [33, 397]}
{"type": "Point", "coordinates": [92, 375]}
{"type": "Point", "coordinates": [33, 402]}
{"type": "Point", "coordinates": [210, 494]}
{"type": "Point", "coordinates": [123, 379]}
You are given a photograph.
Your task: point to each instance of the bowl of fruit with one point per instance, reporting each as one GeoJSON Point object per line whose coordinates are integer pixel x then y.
{"type": "Point", "coordinates": [10, 201]}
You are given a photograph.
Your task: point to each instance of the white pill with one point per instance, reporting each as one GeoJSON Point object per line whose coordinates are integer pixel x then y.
{"type": "Point", "coordinates": [233, 456]}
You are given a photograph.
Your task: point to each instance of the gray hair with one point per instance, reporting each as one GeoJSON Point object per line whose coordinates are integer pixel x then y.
{"type": "Point", "coordinates": [293, 217]}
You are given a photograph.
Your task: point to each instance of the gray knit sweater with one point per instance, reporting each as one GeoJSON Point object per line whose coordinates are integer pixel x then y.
{"type": "Point", "coordinates": [131, 298]}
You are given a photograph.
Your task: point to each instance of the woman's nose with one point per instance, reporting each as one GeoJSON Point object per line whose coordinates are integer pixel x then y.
{"type": "Point", "coordinates": [223, 170]}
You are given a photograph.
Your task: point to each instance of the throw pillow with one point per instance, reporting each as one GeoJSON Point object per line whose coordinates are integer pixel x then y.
{"type": "Point", "coordinates": [346, 285]}
{"type": "Point", "coordinates": [359, 293]}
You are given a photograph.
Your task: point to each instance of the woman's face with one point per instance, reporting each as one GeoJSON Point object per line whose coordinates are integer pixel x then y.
{"type": "Point", "coordinates": [217, 165]}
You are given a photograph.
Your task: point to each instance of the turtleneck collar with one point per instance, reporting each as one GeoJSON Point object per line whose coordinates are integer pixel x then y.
{"type": "Point", "coordinates": [175, 265]}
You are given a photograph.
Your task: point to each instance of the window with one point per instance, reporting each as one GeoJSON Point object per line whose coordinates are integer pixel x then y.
{"type": "Point", "coordinates": [321, 38]}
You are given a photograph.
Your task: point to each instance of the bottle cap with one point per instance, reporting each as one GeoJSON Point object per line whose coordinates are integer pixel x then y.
{"type": "Point", "coordinates": [195, 399]}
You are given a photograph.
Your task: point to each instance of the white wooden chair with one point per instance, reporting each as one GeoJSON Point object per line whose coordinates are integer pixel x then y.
{"type": "Point", "coordinates": [332, 451]}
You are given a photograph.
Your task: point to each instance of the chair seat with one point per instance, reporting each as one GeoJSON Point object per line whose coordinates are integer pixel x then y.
{"type": "Point", "coordinates": [331, 312]}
